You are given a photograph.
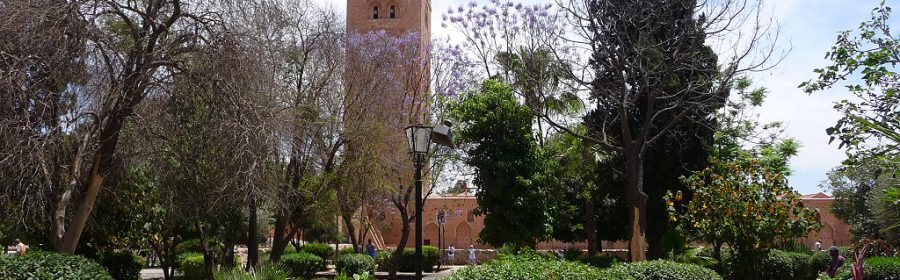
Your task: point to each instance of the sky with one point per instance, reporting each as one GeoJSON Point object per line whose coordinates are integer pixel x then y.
{"type": "Point", "coordinates": [808, 29]}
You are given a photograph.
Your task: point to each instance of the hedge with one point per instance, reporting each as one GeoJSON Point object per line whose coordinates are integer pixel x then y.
{"type": "Point", "coordinates": [123, 266]}
{"type": "Point", "coordinates": [191, 265]}
{"type": "Point", "coordinates": [303, 264]}
{"type": "Point", "coordinates": [658, 270]}
{"type": "Point", "coordinates": [527, 266]}
{"type": "Point", "coordinates": [819, 262]}
{"type": "Point", "coordinates": [779, 265]}
{"type": "Point", "coordinates": [431, 254]}
{"type": "Point", "coordinates": [880, 268]}
{"type": "Point", "coordinates": [355, 264]}
{"type": "Point", "coordinates": [322, 250]}
{"type": "Point", "coordinates": [51, 266]}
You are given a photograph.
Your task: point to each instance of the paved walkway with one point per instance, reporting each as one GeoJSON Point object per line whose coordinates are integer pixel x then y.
{"type": "Point", "coordinates": [157, 273]}
{"type": "Point", "coordinates": [152, 273]}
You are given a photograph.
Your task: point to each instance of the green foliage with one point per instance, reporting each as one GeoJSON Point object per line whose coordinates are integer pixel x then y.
{"type": "Point", "coordinates": [885, 205]}
{"type": "Point", "coordinates": [819, 262]}
{"type": "Point", "coordinates": [852, 187]}
{"type": "Point", "coordinates": [263, 271]}
{"type": "Point", "coordinates": [587, 182]}
{"type": "Point", "coordinates": [192, 266]}
{"type": "Point", "coordinates": [693, 255]}
{"type": "Point", "coordinates": [355, 264]}
{"type": "Point", "coordinates": [431, 254]}
{"type": "Point", "coordinates": [742, 198]}
{"type": "Point", "coordinates": [882, 268]}
{"type": "Point", "coordinates": [383, 260]}
{"type": "Point", "coordinates": [303, 264]}
{"type": "Point", "coordinates": [193, 246]}
{"type": "Point", "coordinates": [602, 260]}
{"type": "Point", "coordinates": [347, 251]}
{"type": "Point", "coordinates": [658, 270]}
{"type": "Point", "coordinates": [572, 254]}
{"type": "Point", "coordinates": [779, 265]}
{"type": "Point", "coordinates": [123, 265]}
{"type": "Point", "coordinates": [51, 266]}
{"type": "Point", "coordinates": [322, 250]}
{"type": "Point", "coordinates": [527, 267]}
{"type": "Point", "coordinates": [871, 117]}
{"type": "Point", "coordinates": [495, 130]}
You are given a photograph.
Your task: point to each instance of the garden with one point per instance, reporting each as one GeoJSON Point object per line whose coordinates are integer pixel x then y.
{"type": "Point", "coordinates": [251, 139]}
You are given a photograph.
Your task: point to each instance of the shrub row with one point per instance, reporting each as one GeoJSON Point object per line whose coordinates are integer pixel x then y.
{"type": "Point", "coordinates": [51, 266]}
{"type": "Point", "coordinates": [881, 268]}
{"type": "Point", "coordinates": [658, 270]}
{"type": "Point", "coordinates": [431, 254]}
{"type": "Point", "coordinates": [527, 266]}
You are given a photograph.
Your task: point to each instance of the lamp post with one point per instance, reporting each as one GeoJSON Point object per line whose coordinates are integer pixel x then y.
{"type": "Point", "coordinates": [420, 138]}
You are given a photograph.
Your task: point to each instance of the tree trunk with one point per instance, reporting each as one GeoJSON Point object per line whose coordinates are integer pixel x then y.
{"type": "Point", "coordinates": [73, 232]}
{"type": "Point", "coordinates": [252, 236]}
{"type": "Point", "coordinates": [208, 264]}
{"type": "Point", "coordinates": [590, 227]}
{"type": "Point", "coordinates": [228, 254]}
{"type": "Point", "coordinates": [348, 222]}
{"type": "Point", "coordinates": [637, 203]}
{"type": "Point", "coordinates": [281, 237]}
{"type": "Point", "coordinates": [401, 244]}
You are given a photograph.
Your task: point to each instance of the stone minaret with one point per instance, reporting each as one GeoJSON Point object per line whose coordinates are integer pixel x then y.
{"type": "Point", "coordinates": [394, 16]}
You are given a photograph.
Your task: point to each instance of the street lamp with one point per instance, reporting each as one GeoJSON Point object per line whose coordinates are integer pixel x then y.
{"type": "Point", "coordinates": [420, 138]}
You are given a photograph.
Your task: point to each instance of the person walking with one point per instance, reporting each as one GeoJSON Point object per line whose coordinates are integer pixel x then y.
{"type": "Point", "coordinates": [451, 255]}
{"type": "Point", "coordinates": [472, 259]}
{"type": "Point", "coordinates": [836, 261]}
{"type": "Point", "coordinates": [21, 247]}
{"type": "Point", "coordinates": [370, 249]}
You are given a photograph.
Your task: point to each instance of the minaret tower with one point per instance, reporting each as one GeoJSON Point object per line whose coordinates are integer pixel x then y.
{"type": "Point", "coordinates": [396, 17]}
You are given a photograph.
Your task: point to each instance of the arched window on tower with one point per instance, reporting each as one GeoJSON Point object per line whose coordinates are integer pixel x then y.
{"type": "Point", "coordinates": [393, 12]}
{"type": "Point", "coordinates": [375, 12]}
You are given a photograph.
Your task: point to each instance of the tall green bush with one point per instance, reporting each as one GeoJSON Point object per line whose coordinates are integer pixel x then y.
{"type": "Point", "coordinates": [322, 250]}
{"type": "Point", "coordinates": [191, 266]}
{"type": "Point", "coordinates": [123, 265]}
{"type": "Point", "coordinates": [51, 266]}
{"type": "Point", "coordinates": [355, 264]}
{"type": "Point", "coordinates": [303, 264]}
{"type": "Point", "coordinates": [658, 270]}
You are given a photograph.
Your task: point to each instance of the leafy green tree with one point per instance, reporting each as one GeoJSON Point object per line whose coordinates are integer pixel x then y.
{"type": "Point", "coordinates": [852, 186]}
{"type": "Point", "coordinates": [587, 201]}
{"type": "Point", "coordinates": [742, 198]}
{"type": "Point", "coordinates": [495, 130]}
{"type": "Point", "coordinates": [870, 126]}
{"type": "Point", "coordinates": [885, 204]}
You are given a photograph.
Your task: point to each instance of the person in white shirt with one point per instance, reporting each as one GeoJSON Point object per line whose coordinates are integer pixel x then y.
{"type": "Point", "coordinates": [451, 255]}
{"type": "Point", "coordinates": [472, 259]}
